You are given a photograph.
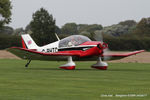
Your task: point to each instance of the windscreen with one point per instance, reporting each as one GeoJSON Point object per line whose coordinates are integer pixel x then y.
{"type": "Point", "coordinates": [73, 40]}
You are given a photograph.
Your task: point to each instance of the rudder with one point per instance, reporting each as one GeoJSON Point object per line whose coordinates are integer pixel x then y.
{"type": "Point", "coordinates": [28, 42]}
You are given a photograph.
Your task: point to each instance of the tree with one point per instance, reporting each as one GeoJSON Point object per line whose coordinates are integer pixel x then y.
{"type": "Point", "coordinates": [5, 12]}
{"type": "Point", "coordinates": [69, 28]}
{"type": "Point", "coordinates": [121, 29]}
{"type": "Point", "coordinates": [129, 23]}
{"type": "Point", "coordinates": [7, 30]}
{"type": "Point", "coordinates": [85, 33]}
{"type": "Point", "coordinates": [92, 28]}
{"type": "Point", "coordinates": [115, 30]}
{"type": "Point", "coordinates": [57, 30]}
{"type": "Point", "coordinates": [89, 28]}
{"type": "Point", "coordinates": [143, 27]}
{"type": "Point", "coordinates": [43, 27]}
{"type": "Point", "coordinates": [18, 31]}
{"type": "Point", "coordinates": [28, 29]}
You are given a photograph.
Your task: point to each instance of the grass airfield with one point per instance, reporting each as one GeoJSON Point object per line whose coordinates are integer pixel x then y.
{"type": "Point", "coordinates": [43, 80]}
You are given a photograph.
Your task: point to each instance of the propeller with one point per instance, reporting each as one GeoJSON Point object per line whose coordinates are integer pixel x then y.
{"type": "Point", "coordinates": [99, 37]}
{"type": "Point", "coordinates": [106, 52]}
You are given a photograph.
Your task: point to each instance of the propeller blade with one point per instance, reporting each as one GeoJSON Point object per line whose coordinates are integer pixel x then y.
{"type": "Point", "coordinates": [106, 52]}
{"type": "Point", "coordinates": [98, 36]}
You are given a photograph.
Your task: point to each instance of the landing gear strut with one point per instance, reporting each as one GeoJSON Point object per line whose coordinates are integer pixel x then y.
{"type": "Point", "coordinates": [70, 65]}
{"type": "Point", "coordinates": [28, 63]}
{"type": "Point", "coordinates": [100, 64]}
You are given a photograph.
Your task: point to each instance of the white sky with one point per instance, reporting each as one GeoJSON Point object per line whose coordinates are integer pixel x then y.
{"type": "Point", "coordinates": [105, 12]}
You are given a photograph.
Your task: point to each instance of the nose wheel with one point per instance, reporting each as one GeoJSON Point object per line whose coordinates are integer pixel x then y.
{"type": "Point", "coordinates": [100, 64]}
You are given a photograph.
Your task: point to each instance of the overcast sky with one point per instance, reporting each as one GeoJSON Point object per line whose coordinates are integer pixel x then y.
{"type": "Point", "coordinates": [105, 12]}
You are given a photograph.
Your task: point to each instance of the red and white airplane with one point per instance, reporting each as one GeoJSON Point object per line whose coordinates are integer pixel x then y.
{"type": "Point", "coordinates": [75, 47]}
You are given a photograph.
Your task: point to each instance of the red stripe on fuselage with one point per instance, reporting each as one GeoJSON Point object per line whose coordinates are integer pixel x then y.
{"type": "Point", "coordinates": [95, 51]}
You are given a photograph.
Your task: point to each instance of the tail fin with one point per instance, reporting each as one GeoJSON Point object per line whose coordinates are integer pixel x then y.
{"type": "Point", "coordinates": [27, 42]}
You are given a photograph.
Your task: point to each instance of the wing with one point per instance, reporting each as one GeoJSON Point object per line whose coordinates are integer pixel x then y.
{"type": "Point", "coordinates": [61, 56]}
{"type": "Point", "coordinates": [28, 54]}
{"type": "Point", "coordinates": [115, 56]}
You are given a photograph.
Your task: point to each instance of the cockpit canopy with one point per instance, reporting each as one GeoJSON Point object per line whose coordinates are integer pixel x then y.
{"type": "Point", "coordinates": [73, 40]}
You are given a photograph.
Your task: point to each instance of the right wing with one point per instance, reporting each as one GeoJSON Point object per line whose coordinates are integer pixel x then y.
{"type": "Point", "coordinates": [115, 56]}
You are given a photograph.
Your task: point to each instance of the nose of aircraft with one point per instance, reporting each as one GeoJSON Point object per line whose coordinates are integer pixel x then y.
{"type": "Point", "coordinates": [105, 45]}
{"type": "Point", "coordinates": [102, 46]}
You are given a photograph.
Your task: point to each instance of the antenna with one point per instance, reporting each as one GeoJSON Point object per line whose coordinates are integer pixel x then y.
{"type": "Point", "coordinates": [57, 37]}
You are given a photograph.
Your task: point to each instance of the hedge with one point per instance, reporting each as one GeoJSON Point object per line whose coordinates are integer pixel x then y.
{"type": "Point", "coordinates": [7, 41]}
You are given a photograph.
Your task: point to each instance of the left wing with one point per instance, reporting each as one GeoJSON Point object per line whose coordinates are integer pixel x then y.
{"type": "Point", "coordinates": [28, 54]}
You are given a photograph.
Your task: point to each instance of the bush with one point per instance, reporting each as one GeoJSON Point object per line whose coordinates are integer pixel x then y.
{"type": "Point", "coordinates": [127, 44]}
{"type": "Point", "coordinates": [7, 41]}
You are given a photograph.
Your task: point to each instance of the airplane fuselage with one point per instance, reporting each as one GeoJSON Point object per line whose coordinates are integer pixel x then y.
{"type": "Point", "coordinates": [50, 48]}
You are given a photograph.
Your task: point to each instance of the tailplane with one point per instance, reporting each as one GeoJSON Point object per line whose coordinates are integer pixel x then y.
{"type": "Point", "coordinates": [27, 42]}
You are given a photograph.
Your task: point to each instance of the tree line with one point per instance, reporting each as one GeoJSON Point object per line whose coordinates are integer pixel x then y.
{"type": "Point", "coordinates": [126, 35]}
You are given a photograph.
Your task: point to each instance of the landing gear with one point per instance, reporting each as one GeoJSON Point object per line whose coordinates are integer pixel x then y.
{"type": "Point", "coordinates": [100, 64]}
{"type": "Point", "coordinates": [70, 65]}
{"type": "Point", "coordinates": [28, 62]}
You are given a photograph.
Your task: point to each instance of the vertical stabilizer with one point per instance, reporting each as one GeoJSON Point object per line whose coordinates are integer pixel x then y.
{"type": "Point", "coordinates": [28, 42]}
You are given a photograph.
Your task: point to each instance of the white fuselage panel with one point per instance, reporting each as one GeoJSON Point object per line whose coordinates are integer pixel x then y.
{"type": "Point", "coordinates": [52, 47]}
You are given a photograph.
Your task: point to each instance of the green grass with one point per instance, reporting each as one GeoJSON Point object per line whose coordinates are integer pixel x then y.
{"type": "Point", "coordinates": [43, 80]}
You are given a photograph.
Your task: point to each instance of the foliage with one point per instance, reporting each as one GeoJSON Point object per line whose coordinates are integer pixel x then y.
{"type": "Point", "coordinates": [84, 28]}
{"type": "Point", "coordinates": [57, 30]}
{"type": "Point", "coordinates": [69, 28]}
{"type": "Point", "coordinates": [73, 28]}
{"type": "Point", "coordinates": [115, 30]}
{"type": "Point", "coordinates": [28, 29]}
{"type": "Point", "coordinates": [127, 43]}
{"type": "Point", "coordinates": [5, 12]}
{"type": "Point", "coordinates": [143, 27]}
{"type": "Point", "coordinates": [18, 31]}
{"type": "Point", "coordinates": [92, 28]}
{"type": "Point", "coordinates": [89, 28]}
{"type": "Point", "coordinates": [43, 27]}
{"type": "Point", "coordinates": [61, 36]}
{"type": "Point", "coordinates": [85, 33]}
{"type": "Point", "coordinates": [119, 29]}
{"type": "Point", "coordinates": [7, 30]}
{"type": "Point", "coordinates": [7, 41]}
{"type": "Point", "coordinates": [129, 23]}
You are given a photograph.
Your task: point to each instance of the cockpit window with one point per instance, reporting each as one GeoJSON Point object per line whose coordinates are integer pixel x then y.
{"type": "Point", "coordinates": [73, 40]}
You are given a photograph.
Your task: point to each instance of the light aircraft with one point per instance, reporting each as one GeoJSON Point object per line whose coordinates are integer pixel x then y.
{"type": "Point", "coordinates": [75, 47]}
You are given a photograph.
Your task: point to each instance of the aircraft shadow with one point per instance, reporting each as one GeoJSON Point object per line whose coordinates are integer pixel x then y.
{"type": "Point", "coordinates": [88, 69]}
{"type": "Point", "coordinates": [63, 69]}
